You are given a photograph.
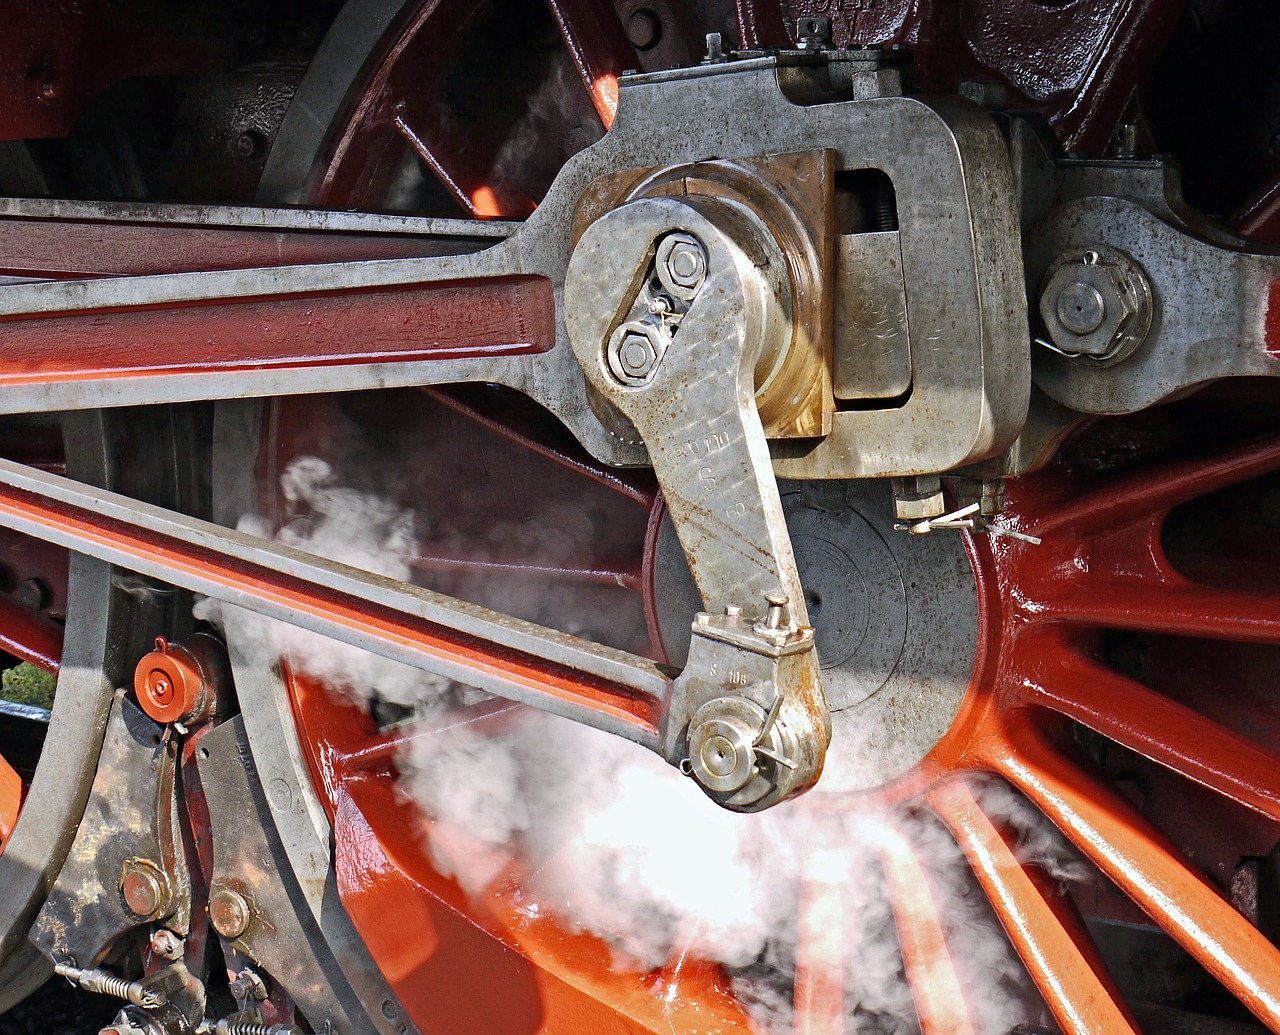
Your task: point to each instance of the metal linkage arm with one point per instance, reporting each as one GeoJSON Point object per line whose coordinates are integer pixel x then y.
{"type": "Point", "coordinates": [673, 304]}
{"type": "Point", "coordinates": [590, 683]}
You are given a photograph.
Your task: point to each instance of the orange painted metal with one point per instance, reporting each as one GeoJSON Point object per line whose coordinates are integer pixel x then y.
{"type": "Point", "coordinates": [29, 636]}
{"type": "Point", "coordinates": [1141, 861]}
{"type": "Point", "coordinates": [183, 560]}
{"type": "Point", "coordinates": [1155, 725]}
{"type": "Point", "coordinates": [463, 947]}
{"type": "Point", "coordinates": [1042, 924]}
{"type": "Point", "coordinates": [937, 988]}
{"type": "Point", "coordinates": [822, 955]}
{"type": "Point", "coordinates": [179, 683]}
{"type": "Point", "coordinates": [12, 791]}
{"type": "Point", "coordinates": [1032, 672]}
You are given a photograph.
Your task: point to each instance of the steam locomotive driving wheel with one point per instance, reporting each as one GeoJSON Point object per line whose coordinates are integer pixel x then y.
{"type": "Point", "coordinates": [770, 529]}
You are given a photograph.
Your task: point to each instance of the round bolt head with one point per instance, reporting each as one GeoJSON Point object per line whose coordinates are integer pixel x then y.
{"type": "Point", "coordinates": [722, 754]}
{"type": "Point", "coordinates": [169, 684]}
{"type": "Point", "coordinates": [166, 944]}
{"type": "Point", "coordinates": [1081, 308]}
{"type": "Point", "coordinates": [644, 29]}
{"type": "Point", "coordinates": [143, 888]}
{"type": "Point", "coordinates": [228, 913]}
{"type": "Point", "coordinates": [34, 594]}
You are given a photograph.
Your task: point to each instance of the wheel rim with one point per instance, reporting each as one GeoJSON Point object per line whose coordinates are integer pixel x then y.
{"type": "Point", "coordinates": [1036, 674]}
{"type": "Point", "coordinates": [110, 623]}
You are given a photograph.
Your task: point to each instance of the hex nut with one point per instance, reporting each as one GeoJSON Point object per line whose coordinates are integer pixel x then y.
{"type": "Point", "coordinates": [681, 265]}
{"type": "Point", "coordinates": [918, 498]}
{"type": "Point", "coordinates": [634, 351]}
{"type": "Point", "coordinates": [1096, 303]}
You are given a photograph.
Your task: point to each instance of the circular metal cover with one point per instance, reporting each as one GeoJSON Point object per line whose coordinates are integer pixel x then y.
{"type": "Point", "coordinates": [895, 618]}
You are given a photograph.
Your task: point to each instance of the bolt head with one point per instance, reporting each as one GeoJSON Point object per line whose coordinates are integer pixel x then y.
{"type": "Point", "coordinates": [228, 913]}
{"type": "Point", "coordinates": [644, 29]}
{"type": "Point", "coordinates": [633, 353]}
{"type": "Point", "coordinates": [722, 754]}
{"type": "Point", "coordinates": [34, 594]}
{"type": "Point", "coordinates": [48, 90]}
{"type": "Point", "coordinates": [143, 888]}
{"type": "Point", "coordinates": [166, 944]}
{"type": "Point", "coordinates": [681, 263]}
{"type": "Point", "coordinates": [251, 144]}
{"type": "Point", "coordinates": [1097, 303]}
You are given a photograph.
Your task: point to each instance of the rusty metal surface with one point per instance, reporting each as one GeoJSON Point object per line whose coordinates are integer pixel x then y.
{"type": "Point", "coordinates": [968, 258]}
{"type": "Point", "coordinates": [793, 194]}
{"type": "Point", "coordinates": [130, 826]}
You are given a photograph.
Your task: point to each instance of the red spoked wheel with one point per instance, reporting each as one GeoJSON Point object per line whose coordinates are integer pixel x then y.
{"type": "Point", "coordinates": [1095, 697]}
{"type": "Point", "coordinates": [1061, 624]}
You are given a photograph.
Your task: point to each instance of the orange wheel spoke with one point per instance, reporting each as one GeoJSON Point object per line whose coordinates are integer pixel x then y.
{"type": "Point", "coordinates": [935, 985]}
{"type": "Point", "coordinates": [1146, 867]}
{"type": "Point", "coordinates": [820, 958]}
{"type": "Point", "coordinates": [1043, 926]}
{"type": "Point", "coordinates": [1171, 608]}
{"type": "Point", "coordinates": [1137, 496]}
{"type": "Point", "coordinates": [1163, 730]}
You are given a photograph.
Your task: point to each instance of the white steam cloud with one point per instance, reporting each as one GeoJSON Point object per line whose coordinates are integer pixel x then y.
{"type": "Point", "coordinates": [616, 843]}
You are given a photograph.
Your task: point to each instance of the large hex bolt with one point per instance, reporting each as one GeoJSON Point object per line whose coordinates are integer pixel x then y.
{"type": "Point", "coordinates": [681, 264]}
{"type": "Point", "coordinates": [634, 351]}
{"type": "Point", "coordinates": [1096, 304]}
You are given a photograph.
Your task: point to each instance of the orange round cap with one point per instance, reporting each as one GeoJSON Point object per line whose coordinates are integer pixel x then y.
{"type": "Point", "coordinates": [169, 683]}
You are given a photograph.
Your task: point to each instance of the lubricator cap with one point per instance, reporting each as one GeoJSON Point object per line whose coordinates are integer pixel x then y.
{"type": "Point", "coordinates": [175, 683]}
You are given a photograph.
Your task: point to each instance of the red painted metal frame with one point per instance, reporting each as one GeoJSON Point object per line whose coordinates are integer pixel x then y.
{"type": "Point", "coordinates": [403, 103]}
{"type": "Point", "coordinates": [509, 316]}
{"type": "Point", "coordinates": [1101, 567]}
{"type": "Point", "coordinates": [62, 248]}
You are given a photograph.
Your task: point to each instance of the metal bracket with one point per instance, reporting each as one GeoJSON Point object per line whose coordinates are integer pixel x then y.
{"type": "Point", "coordinates": [126, 867]}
